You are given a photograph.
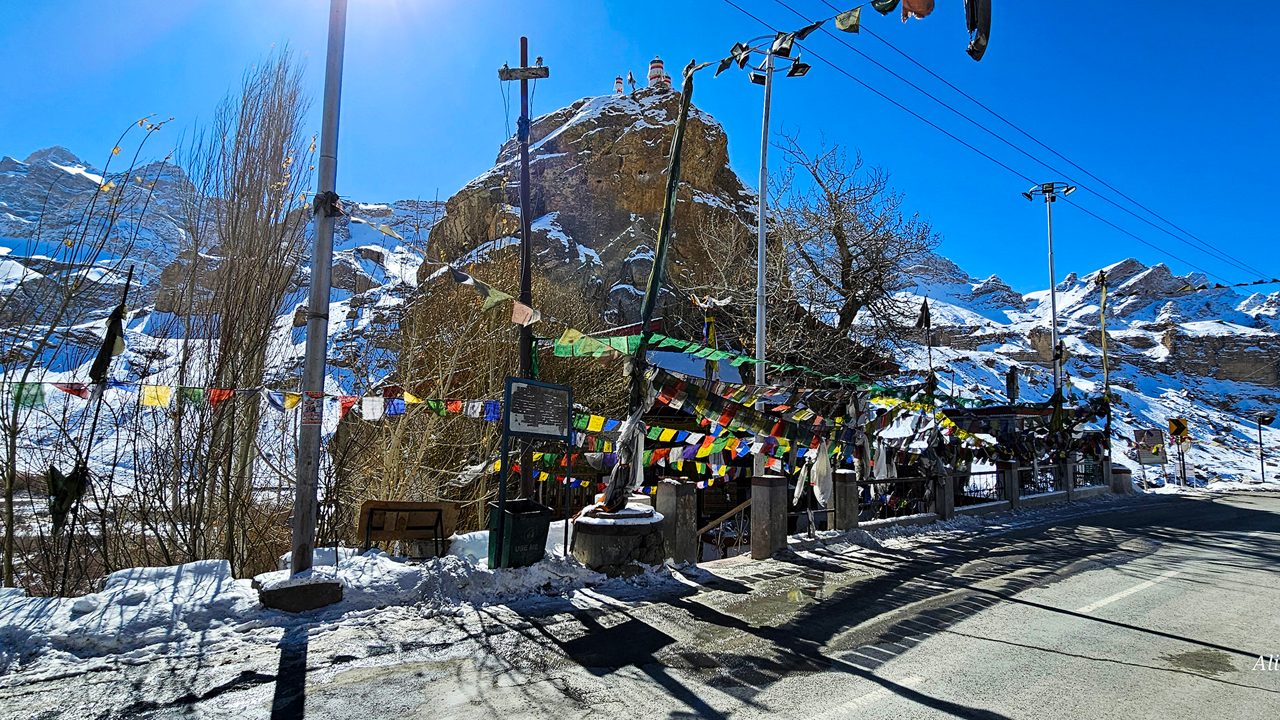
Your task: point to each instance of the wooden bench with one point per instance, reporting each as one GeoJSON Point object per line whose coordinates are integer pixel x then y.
{"type": "Point", "coordinates": [382, 520]}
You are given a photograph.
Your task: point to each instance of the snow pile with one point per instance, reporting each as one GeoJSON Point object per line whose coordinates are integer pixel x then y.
{"type": "Point", "coordinates": [136, 608]}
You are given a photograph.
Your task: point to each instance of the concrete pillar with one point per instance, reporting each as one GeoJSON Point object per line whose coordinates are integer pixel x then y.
{"type": "Point", "coordinates": [844, 491]}
{"type": "Point", "coordinates": [1121, 480]}
{"type": "Point", "coordinates": [944, 497]}
{"type": "Point", "coordinates": [768, 515]}
{"type": "Point", "coordinates": [678, 503]}
{"type": "Point", "coordinates": [1007, 472]}
{"type": "Point", "coordinates": [1069, 475]}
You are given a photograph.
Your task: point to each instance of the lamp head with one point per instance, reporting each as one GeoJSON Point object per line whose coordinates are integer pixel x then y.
{"type": "Point", "coordinates": [1068, 190]}
{"type": "Point", "coordinates": [798, 69]}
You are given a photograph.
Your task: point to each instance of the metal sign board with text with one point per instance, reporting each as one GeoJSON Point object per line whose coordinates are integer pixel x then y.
{"type": "Point", "coordinates": [1150, 442]}
{"type": "Point", "coordinates": [537, 409]}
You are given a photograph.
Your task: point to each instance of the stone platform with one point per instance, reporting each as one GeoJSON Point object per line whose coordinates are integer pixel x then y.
{"type": "Point", "coordinates": [613, 543]}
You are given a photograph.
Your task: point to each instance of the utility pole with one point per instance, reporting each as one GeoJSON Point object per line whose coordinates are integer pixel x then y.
{"type": "Point", "coordinates": [1106, 364]}
{"type": "Point", "coordinates": [327, 208]}
{"type": "Point", "coordinates": [524, 73]}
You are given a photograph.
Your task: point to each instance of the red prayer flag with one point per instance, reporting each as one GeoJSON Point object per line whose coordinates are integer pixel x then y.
{"type": "Point", "coordinates": [220, 395]}
{"type": "Point", "coordinates": [80, 390]}
{"type": "Point", "coordinates": [345, 403]}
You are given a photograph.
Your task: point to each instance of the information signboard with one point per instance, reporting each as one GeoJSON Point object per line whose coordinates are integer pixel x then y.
{"type": "Point", "coordinates": [1150, 442]}
{"type": "Point", "coordinates": [538, 409]}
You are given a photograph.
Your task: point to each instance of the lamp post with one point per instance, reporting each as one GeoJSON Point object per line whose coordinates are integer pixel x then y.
{"type": "Point", "coordinates": [1050, 192]}
{"type": "Point", "coordinates": [773, 48]}
{"type": "Point", "coordinates": [1263, 419]}
{"type": "Point", "coordinates": [326, 208]}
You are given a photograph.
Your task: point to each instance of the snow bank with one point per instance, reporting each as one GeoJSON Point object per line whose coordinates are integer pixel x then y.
{"type": "Point", "coordinates": [135, 608]}
{"type": "Point", "coordinates": [144, 611]}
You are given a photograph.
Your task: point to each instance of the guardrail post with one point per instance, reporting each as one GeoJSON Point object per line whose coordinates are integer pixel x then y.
{"type": "Point", "coordinates": [844, 489]}
{"type": "Point", "coordinates": [944, 498]}
{"type": "Point", "coordinates": [768, 515]}
{"type": "Point", "coordinates": [1007, 472]}
{"type": "Point", "coordinates": [678, 504]}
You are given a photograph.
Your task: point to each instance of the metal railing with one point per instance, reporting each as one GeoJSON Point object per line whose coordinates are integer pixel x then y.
{"type": "Point", "coordinates": [1042, 479]}
{"type": "Point", "coordinates": [730, 531]}
{"type": "Point", "coordinates": [978, 487]}
{"type": "Point", "coordinates": [880, 499]}
{"type": "Point", "coordinates": [1088, 473]}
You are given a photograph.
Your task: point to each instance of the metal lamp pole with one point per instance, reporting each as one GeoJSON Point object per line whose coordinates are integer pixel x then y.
{"type": "Point", "coordinates": [772, 47]}
{"type": "Point", "coordinates": [308, 467]}
{"type": "Point", "coordinates": [1263, 419]}
{"type": "Point", "coordinates": [757, 460]}
{"type": "Point", "coordinates": [1050, 192]}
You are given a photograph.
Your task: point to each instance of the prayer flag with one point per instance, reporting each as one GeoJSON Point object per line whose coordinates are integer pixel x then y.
{"type": "Point", "coordinates": [156, 395]}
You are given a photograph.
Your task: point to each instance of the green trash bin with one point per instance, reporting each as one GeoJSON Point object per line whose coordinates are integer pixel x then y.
{"type": "Point", "coordinates": [525, 537]}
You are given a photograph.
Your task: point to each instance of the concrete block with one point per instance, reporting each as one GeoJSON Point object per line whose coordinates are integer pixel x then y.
{"type": "Point", "coordinates": [768, 515]}
{"type": "Point", "coordinates": [678, 503]}
{"type": "Point", "coordinates": [301, 597]}
{"type": "Point", "coordinates": [1048, 498]}
{"type": "Point", "coordinates": [984, 508]}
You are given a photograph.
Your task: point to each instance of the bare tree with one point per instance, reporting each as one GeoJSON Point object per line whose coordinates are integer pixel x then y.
{"type": "Point", "coordinates": [849, 240]}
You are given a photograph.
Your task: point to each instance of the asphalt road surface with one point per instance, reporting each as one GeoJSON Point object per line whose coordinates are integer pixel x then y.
{"type": "Point", "coordinates": [1156, 607]}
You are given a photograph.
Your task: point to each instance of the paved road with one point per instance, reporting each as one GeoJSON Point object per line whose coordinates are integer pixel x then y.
{"type": "Point", "coordinates": [1155, 607]}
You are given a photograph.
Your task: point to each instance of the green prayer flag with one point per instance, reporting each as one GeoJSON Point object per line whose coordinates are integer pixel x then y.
{"type": "Point", "coordinates": [884, 7]}
{"type": "Point", "coordinates": [580, 421]}
{"type": "Point", "coordinates": [437, 406]}
{"type": "Point", "coordinates": [29, 394]}
{"type": "Point", "coordinates": [191, 395]}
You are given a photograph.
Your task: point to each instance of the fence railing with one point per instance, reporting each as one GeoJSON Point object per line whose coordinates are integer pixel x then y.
{"type": "Point", "coordinates": [730, 531]}
{"type": "Point", "coordinates": [1042, 479]}
{"type": "Point", "coordinates": [1088, 473]}
{"type": "Point", "coordinates": [978, 487]}
{"type": "Point", "coordinates": [894, 498]}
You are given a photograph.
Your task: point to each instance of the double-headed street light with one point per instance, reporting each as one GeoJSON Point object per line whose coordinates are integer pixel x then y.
{"type": "Point", "coordinates": [771, 48]}
{"type": "Point", "coordinates": [1050, 191]}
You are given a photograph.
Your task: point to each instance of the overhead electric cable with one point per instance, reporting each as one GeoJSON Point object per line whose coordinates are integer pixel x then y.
{"type": "Point", "coordinates": [1205, 248]}
{"type": "Point", "coordinates": [967, 144]}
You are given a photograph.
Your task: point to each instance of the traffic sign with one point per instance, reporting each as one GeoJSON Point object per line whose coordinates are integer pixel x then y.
{"type": "Point", "coordinates": [1178, 427]}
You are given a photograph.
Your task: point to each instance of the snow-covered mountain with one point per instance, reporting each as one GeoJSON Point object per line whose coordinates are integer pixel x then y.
{"type": "Point", "coordinates": [1209, 355]}
{"type": "Point", "coordinates": [1176, 348]}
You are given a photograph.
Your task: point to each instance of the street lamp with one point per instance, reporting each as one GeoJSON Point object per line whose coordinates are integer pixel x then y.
{"type": "Point", "coordinates": [327, 208]}
{"type": "Point", "coordinates": [771, 47]}
{"type": "Point", "coordinates": [1264, 418]}
{"type": "Point", "coordinates": [1050, 192]}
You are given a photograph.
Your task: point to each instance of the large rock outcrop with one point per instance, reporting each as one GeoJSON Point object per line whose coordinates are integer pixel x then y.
{"type": "Point", "coordinates": [598, 177]}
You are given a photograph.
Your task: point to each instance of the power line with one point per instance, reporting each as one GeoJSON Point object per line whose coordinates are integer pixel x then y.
{"type": "Point", "coordinates": [1212, 252]}
{"type": "Point", "coordinates": [1037, 141]}
{"type": "Point", "coordinates": [967, 144]}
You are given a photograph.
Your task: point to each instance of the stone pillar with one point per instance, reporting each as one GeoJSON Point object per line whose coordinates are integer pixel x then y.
{"type": "Point", "coordinates": [678, 504]}
{"type": "Point", "coordinates": [1121, 480]}
{"type": "Point", "coordinates": [844, 491]}
{"type": "Point", "coordinates": [1007, 472]}
{"type": "Point", "coordinates": [1069, 475]}
{"type": "Point", "coordinates": [768, 515]}
{"type": "Point", "coordinates": [944, 497]}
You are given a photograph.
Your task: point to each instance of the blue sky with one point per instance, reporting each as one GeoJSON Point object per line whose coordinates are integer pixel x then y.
{"type": "Point", "coordinates": [1171, 103]}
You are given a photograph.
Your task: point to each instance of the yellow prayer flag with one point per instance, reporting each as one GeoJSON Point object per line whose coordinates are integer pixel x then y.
{"type": "Point", "coordinates": [291, 400]}
{"type": "Point", "coordinates": [595, 424]}
{"type": "Point", "coordinates": [156, 395]}
{"type": "Point", "coordinates": [411, 399]}
{"type": "Point", "coordinates": [115, 150]}
{"type": "Point", "coordinates": [666, 435]}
